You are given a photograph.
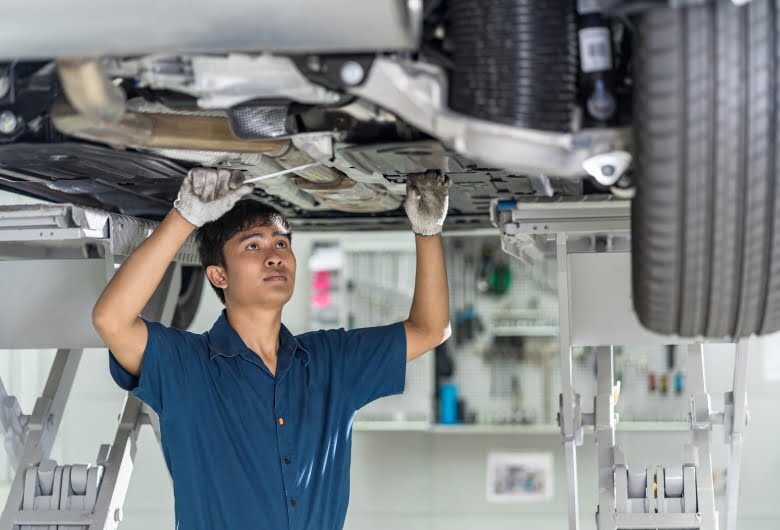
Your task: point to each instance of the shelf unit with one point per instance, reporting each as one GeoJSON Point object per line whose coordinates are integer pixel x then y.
{"type": "Point", "coordinates": [522, 430]}
{"type": "Point", "coordinates": [525, 331]}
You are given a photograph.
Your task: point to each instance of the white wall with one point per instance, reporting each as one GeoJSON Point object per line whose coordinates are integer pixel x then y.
{"type": "Point", "coordinates": [404, 480]}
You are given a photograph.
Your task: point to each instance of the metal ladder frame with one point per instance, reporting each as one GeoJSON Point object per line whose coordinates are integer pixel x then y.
{"type": "Point", "coordinates": [535, 229]}
{"type": "Point", "coordinates": [66, 231]}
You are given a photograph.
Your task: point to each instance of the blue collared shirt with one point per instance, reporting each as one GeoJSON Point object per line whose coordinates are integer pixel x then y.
{"type": "Point", "coordinates": [247, 450]}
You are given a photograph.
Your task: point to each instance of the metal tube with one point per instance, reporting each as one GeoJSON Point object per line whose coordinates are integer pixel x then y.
{"type": "Point", "coordinates": [119, 467]}
{"type": "Point", "coordinates": [90, 91]}
{"type": "Point", "coordinates": [280, 173]}
{"type": "Point", "coordinates": [169, 131]}
{"type": "Point", "coordinates": [737, 427]}
{"type": "Point", "coordinates": [605, 435]}
{"type": "Point", "coordinates": [568, 400]}
{"type": "Point", "coordinates": [200, 132]}
{"type": "Point", "coordinates": [701, 438]}
{"type": "Point", "coordinates": [97, 112]}
{"type": "Point", "coordinates": [739, 388]}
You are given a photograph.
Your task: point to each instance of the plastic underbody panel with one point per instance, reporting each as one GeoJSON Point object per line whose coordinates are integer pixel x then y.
{"type": "Point", "coordinates": [145, 185]}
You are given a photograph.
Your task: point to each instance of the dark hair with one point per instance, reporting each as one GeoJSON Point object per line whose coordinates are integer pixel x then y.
{"type": "Point", "coordinates": [246, 214]}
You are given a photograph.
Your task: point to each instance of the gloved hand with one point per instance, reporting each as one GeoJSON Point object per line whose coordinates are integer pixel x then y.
{"type": "Point", "coordinates": [427, 200]}
{"type": "Point", "coordinates": [206, 194]}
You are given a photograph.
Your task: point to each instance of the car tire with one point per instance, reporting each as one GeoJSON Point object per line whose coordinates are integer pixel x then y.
{"type": "Point", "coordinates": [507, 54]}
{"type": "Point", "coordinates": [705, 220]}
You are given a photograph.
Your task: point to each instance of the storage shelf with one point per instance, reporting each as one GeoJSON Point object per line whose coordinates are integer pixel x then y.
{"type": "Point", "coordinates": [653, 426]}
{"type": "Point", "coordinates": [483, 429]}
{"type": "Point", "coordinates": [495, 429]}
{"type": "Point", "coordinates": [391, 426]}
{"type": "Point", "coordinates": [525, 331]}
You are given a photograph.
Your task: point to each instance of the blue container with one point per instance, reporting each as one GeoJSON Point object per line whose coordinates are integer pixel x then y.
{"type": "Point", "coordinates": [448, 404]}
{"type": "Point", "coordinates": [679, 383]}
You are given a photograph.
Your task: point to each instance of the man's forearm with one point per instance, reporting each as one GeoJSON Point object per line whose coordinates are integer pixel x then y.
{"type": "Point", "coordinates": [134, 283]}
{"type": "Point", "coordinates": [431, 303]}
{"type": "Point", "coordinates": [426, 205]}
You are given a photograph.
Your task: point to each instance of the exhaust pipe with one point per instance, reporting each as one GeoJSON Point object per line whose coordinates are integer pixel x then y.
{"type": "Point", "coordinates": [89, 90]}
{"type": "Point", "coordinates": [96, 110]}
{"type": "Point", "coordinates": [162, 131]}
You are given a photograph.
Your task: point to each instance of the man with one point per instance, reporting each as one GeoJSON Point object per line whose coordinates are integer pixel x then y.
{"type": "Point", "coordinates": [256, 423]}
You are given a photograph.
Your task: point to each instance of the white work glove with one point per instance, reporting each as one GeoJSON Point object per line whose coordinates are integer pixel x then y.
{"type": "Point", "coordinates": [207, 194]}
{"type": "Point", "coordinates": [427, 200]}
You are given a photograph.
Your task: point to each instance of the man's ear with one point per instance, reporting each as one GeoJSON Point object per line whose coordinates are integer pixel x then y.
{"type": "Point", "coordinates": [217, 276]}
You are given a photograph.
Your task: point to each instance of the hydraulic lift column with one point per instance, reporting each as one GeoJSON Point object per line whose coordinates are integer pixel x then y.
{"type": "Point", "coordinates": [54, 261]}
{"type": "Point", "coordinates": [590, 239]}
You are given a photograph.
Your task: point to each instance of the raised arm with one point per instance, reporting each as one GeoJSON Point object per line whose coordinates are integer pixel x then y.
{"type": "Point", "coordinates": [426, 205]}
{"type": "Point", "coordinates": [205, 195]}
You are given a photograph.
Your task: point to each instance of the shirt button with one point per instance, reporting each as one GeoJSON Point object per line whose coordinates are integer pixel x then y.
{"type": "Point", "coordinates": [287, 460]}
{"type": "Point", "coordinates": [293, 503]}
{"type": "Point", "coordinates": [281, 421]}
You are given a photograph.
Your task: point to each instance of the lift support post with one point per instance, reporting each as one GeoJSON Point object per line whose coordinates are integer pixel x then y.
{"type": "Point", "coordinates": [591, 239]}
{"type": "Point", "coordinates": [64, 255]}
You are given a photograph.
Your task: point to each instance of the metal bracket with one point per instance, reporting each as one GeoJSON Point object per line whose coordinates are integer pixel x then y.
{"type": "Point", "coordinates": [529, 228]}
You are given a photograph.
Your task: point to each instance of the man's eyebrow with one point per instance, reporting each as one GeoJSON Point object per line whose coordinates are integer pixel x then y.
{"type": "Point", "coordinates": [250, 235]}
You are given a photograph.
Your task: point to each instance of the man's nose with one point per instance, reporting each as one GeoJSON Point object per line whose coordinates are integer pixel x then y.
{"type": "Point", "coordinates": [274, 259]}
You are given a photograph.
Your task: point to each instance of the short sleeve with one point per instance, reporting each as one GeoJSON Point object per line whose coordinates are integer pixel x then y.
{"type": "Point", "coordinates": [161, 367]}
{"type": "Point", "coordinates": [371, 362]}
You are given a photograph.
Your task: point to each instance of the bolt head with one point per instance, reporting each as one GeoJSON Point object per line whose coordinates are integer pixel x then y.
{"type": "Point", "coordinates": [608, 170]}
{"type": "Point", "coordinates": [352, 73]}
{"type": "Point", "coordinates": [8, 122]}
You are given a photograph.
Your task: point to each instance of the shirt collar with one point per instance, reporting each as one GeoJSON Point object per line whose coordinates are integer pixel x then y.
{"type": "Point", "coordinates": [224, 341]}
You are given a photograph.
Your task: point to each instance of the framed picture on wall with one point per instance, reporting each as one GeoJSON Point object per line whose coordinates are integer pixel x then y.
{"type": "Point", "coordinates": [520, 477]}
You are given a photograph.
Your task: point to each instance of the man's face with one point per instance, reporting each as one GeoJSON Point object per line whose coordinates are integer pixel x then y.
{"type": "Point", "coordinates": [259, 267]}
